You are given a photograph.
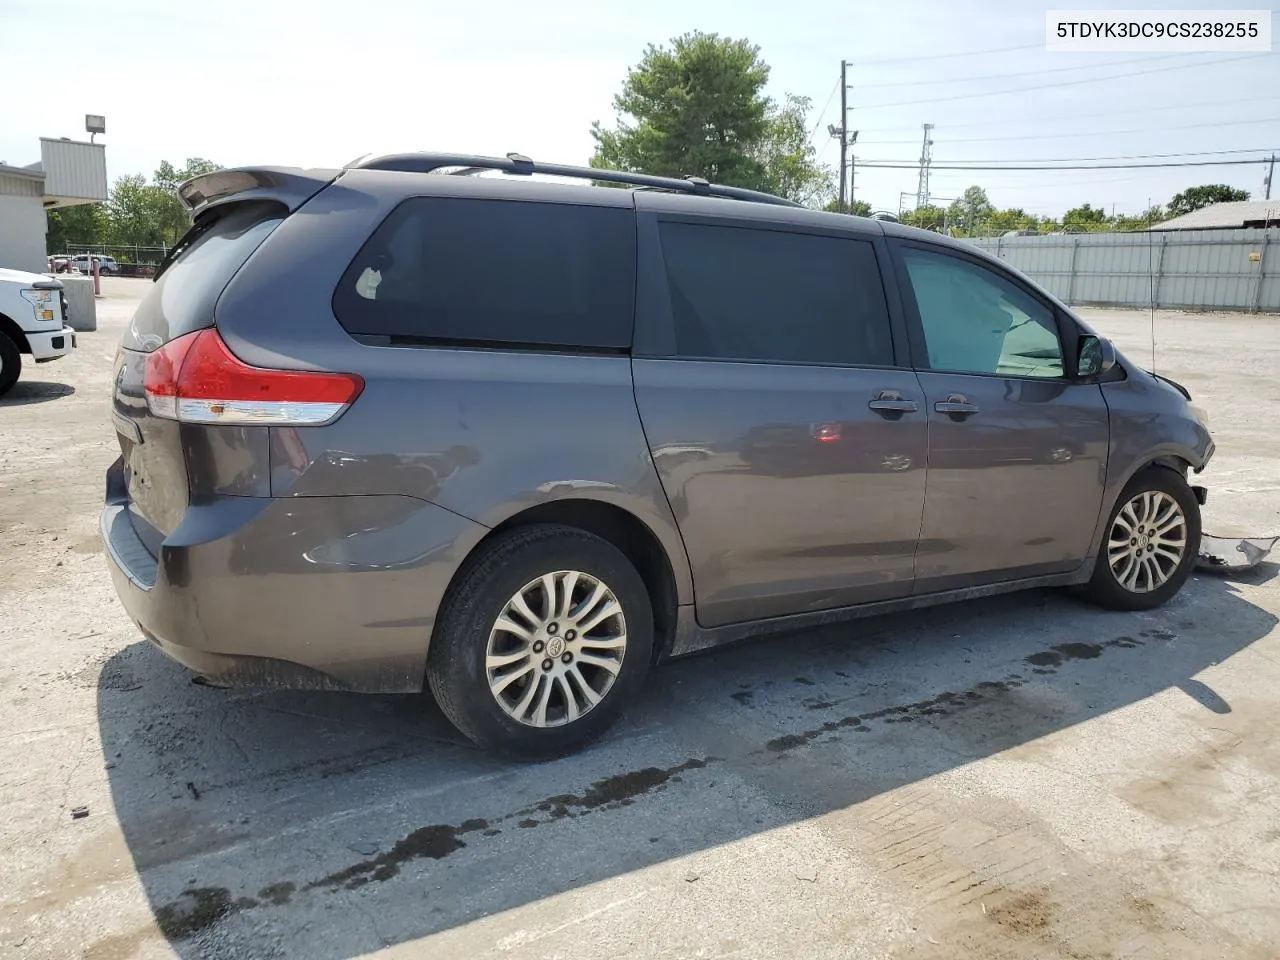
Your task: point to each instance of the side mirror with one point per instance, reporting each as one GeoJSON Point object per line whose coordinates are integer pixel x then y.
{"type": "Point", "coordinates": [1095, 355]}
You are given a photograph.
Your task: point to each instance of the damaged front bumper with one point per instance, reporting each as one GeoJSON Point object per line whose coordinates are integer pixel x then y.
{"type": "Point", "coordinates": [1232, 555]}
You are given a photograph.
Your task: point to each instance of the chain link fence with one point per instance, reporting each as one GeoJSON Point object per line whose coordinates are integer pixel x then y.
{"type": "Point", "coordinates": [133, 260]}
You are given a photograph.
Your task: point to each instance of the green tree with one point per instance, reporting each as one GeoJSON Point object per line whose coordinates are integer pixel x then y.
{"type": "Point", "coordinates": [928, 217]}
{"type": "Point", "coordinates": [968, 213]}
{"type": "Point", "coordinates": [84, 223]}
{"type": "Point", "coordinates": [1142, 221]}
{"type": "Point", "coordinates": [174, 219]}
{"type": "Point", "coordinates": [135, 212]}
{"type": "Point", "coordinates": [858, 208]}
{"type": "Point", "coordinates": [1014, 218]}
{"type": "Point", "coordinates": [1085, 218]}
{"type": "Point", "coordinates": [697, 108]}
{"type": "Point", "coordinates": [789, 158]}
{"type": "Point", "coordinates": [1193, 198]}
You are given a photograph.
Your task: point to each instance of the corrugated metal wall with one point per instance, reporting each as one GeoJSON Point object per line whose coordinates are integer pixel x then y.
{"type": "Point", "coordinates": [14, 186]}
{"type": "Point", "coordinates": [1195, 269]}
{"type": "Point", "coordinates": [73, 169]}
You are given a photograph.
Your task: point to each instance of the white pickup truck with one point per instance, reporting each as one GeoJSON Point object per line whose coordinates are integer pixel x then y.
{"type": "Point", "coordinates": [33, 314]}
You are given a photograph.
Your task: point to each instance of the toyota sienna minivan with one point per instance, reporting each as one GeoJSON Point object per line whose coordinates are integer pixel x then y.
{"type": "Point", "coordinates": [432, 421]}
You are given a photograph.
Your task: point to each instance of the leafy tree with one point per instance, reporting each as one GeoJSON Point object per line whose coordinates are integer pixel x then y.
{"type": "Point", "coordinates": [972, 209]}
{"type": "Point", "coordinates": [858, 208]}
{"type": "Point", "coordinates": [929, 217]}
{"type": "Point", "coordinates": [789, 159]}
{"type": "Point", "coordinates": [1084, 216]}
{"type": "Point", "coordinates": [1142, 221]}
{"type": "Point", "coordinates": [1193, 198]}
{"type": "Point", "coordinates": [174, 219]}
{"type": "Point", "coordinates": [1014, 218]}
{"type": "Point", "coordinates": [135, 212]}
{"type": "Point", "coordinates": [84, 223]}
{"type": "Point", "coordinates": [697, 108]}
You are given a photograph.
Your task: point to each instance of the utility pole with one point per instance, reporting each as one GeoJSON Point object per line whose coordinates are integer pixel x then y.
{"type": "Point", "coordinates": [926, 157]}
{"type": "Point", "coordinates": [844, 140]}
{"type": "Point", "coordinates": [1271, 172]}
{"type": "Point", "coordinates": [847, 139]}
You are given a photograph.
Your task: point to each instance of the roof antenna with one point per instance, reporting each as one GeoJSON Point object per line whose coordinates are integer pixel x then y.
{"type": "Point", "coordinates": [1151, 284]}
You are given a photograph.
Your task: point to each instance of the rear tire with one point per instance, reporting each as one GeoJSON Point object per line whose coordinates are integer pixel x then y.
{"type": "Point", "coordinates": [542, 641]}
{"type": "Point", "coordinates": [1154, 519]}
{"type": "Point", "coordinates": [10, 364]}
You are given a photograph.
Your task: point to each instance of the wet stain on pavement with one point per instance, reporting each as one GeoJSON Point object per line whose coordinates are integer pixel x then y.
{"type": "Point", "coordinates": [197, 909]}
{"type": "Point", "coordinates": [1049, 660]}
{"type": "Point", "coordinates": [615, 791]}
{"type": "Point", "coordinates": [435, 842]}
{"type": "Point", "coordinates": [949, 703]}
{"type": "Point", "coordinates": [277, 894]}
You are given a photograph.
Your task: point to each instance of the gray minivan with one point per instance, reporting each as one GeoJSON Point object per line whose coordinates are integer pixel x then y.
{"type": "Point", "coordinates": [431, 420]}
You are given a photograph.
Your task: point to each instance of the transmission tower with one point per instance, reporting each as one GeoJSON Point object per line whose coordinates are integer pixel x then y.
{"type": "Point", "coordinates": [926, 157]}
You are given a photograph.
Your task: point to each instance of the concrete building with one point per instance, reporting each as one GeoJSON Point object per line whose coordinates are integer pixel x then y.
{"type": "Point", "coordinates": [1227, 216]}
{"type": "Point", "coordinates": [69, 172]}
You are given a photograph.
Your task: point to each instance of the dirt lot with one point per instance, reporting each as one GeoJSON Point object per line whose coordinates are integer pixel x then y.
{"type": "Point", "coordinates": [1022, 777]}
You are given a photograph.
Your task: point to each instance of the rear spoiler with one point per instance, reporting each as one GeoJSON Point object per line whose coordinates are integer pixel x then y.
{"type": "Point", "coordinates": [291, 186]}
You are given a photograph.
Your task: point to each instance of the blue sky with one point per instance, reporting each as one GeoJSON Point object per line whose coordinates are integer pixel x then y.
{"type": "Point", "coordinates": [319, 83]}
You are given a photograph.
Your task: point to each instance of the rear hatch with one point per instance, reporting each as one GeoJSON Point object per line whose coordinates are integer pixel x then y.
{"type": "Point", "coordinates": [154, 448]}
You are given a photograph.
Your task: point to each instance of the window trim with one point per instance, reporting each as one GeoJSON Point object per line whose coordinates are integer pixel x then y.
{"type": "Point", "coordinates": [655, 337]}
{"type": "Point", "coordinates": [485, 343]}
{"type": "Point", "coordinates": [915, 325]}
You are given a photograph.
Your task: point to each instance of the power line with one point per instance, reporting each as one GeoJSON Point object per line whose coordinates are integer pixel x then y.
{"type": "Point", "coordinates": [874, 165]}
{"type": "Point", "coordinates": [948, 56]}
{"type": "Point", "coordinates": [1085, 133]}
{"type": "Point", "coordinates": [1025, 73]}
{"type": "Point", "coordinates": [1062, 83]}
{"type": "Point", "coordinates": [1235, 101]}
{"type": "Point", "coordinates": [1131, 156]}
{"type": "Point", "coordinates": [825, 107]}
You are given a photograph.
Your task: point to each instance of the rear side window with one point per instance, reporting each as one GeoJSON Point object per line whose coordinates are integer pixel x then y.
{"type": "Point", "coordinates": [493, 273]}
{"type": "Point", "coordinates": [748, 294]}
{"type": "Point", "coordinates": [184, 295]}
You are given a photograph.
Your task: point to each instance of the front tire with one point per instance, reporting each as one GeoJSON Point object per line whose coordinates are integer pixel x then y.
{"type": "Point", "coordinates": [1151, 543]}
{"type": "Point", "coordinates": [544, 638]}
{"type": "Point", "coordinates": [10, 364]}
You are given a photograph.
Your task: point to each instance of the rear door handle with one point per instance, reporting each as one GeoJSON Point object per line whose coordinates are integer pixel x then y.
{"type": "Point", "coordinates": [957, 406]}
{"type": "Point", "coordinates": [890, 402]}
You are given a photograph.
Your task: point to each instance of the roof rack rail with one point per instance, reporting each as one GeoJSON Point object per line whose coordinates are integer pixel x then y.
{"type": "Point", "coordinates": [521, 165]}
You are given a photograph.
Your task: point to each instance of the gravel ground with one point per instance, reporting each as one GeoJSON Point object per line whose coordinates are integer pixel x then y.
{"type": "Point", "coordinates": [1018, 777]}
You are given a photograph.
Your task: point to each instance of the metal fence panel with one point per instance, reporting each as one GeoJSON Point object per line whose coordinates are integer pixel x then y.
{"type": "Point", "coordinates": [1196, 269]}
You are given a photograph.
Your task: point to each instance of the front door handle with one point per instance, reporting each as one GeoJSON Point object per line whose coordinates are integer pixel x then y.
{"type": "Point", "coordinates": [957, 406]}
{"type": "Point", "coordinates": [890, 403]}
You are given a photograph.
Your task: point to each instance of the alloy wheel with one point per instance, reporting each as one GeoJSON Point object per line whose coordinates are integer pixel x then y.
{"type": "Point", "coordinates": [1148, 541]}
{"type": "Point", "coordinates": [556, 648]}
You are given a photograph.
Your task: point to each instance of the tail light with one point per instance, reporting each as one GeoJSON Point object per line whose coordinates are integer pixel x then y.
{"type": "Point", "coordinates": [197, 379]}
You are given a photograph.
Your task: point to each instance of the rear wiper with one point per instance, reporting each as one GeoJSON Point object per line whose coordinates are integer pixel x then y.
{"type": "Point", "coordinates": [193, 233]}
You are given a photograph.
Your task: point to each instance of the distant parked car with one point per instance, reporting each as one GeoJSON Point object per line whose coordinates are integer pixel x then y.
{"type": "Point", "coordinates": [516, 440]}
{"type": "Point", "coordinates": [106, 265]}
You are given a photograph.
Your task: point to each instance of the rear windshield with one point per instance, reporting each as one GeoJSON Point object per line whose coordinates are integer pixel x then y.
{"type": "Point", "coordinates": [495, 273]}
{"type": "Point", "coordinates": [184, 295]}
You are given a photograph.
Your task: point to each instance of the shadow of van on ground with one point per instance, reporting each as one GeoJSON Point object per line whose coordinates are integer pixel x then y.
{"type": "Point", "coordinates": [328, 825]}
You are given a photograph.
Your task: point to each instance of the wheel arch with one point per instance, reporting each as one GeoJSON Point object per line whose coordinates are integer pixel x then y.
{"type": "Point", "coordinates": [10, 328]}
{"type": "Point", "coordinates": [626, 531]}
{"type": "Point", "coordinates": [1175, 460]}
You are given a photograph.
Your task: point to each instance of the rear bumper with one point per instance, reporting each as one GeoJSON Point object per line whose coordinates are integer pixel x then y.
{"type": "Point", "coordinates": [52, 344]}
{"type": "Point", "coordinates": [301, 592]}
